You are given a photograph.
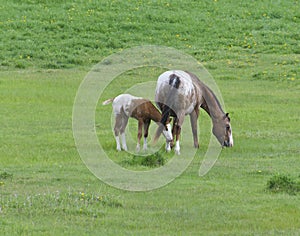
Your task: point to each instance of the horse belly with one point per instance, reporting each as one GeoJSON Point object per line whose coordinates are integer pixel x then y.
{"type": "Point", "coordinates": [190, 109]}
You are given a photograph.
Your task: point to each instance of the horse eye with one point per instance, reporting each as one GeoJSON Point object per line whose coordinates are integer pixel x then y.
{"type": "Point", "coordinates": [227, 127]}
{"type": "Point", "coordinates": [166, 128]}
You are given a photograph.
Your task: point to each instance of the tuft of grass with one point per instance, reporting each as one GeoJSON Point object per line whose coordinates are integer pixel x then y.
{"type": "Point", "coordinates": [5, 175]}
{"type": "Point", "coordinates": [281, 183]}
{"type": "Point", "coordinates": [153, 160]}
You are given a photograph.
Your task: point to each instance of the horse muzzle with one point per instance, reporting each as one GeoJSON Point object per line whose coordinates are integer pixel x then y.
{"type": "Point", "coordinates": [227, 144]}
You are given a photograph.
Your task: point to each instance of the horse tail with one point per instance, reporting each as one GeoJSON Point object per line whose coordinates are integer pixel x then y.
{"type": "Point", "coordinates": [108, 101]}
{"type": "Point", "coordinates": [174, 82]}
{"type": "Point", "coordinates": [165, 115]}
{"type": "Point", "coordinates": [161, 125]}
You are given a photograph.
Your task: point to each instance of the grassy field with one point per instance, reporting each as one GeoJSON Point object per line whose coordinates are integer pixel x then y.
{"type": "Point", "coordinates": [252, 51]}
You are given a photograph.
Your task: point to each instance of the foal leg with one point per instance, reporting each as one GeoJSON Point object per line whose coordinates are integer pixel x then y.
{"type": "Point", "coordinates": [146, 128]}
{"type": "Point", "coordinates": [122, 131]}
{"type": "Point", "coordinates": [118, 124]}
{"type": "Point", "coordinates": [139, 135]}
{"type": "Point", "coordinates": [194, 117]}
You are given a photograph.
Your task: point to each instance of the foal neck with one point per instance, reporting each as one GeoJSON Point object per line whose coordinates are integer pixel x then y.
{"type": "Point", "coordinates": [154, 113]}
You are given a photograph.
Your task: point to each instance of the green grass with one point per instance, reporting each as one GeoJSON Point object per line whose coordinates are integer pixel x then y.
{"type": "Point", "coordinates": [250, 48]}
{"type": "Point", "coordinates": [79, 33]}
{"type": "Point", "coordinates": [43, 177]}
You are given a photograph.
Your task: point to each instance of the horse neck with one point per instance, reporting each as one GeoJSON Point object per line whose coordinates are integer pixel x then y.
{"type": "Point", "coordinates": [211, 104]}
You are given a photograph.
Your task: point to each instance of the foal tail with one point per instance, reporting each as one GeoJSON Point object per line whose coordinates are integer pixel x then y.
{"type": "Point", "coordinates": [108, 101]}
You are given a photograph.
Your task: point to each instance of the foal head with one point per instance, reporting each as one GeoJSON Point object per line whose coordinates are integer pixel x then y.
{"type": "Point", "coordinates": [222, 130]}
{"type": "Point", "coordinates": [167, 132]}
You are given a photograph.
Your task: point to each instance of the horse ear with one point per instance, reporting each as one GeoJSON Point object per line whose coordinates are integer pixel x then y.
{"type": "Point", "coordinates": [227, 116]}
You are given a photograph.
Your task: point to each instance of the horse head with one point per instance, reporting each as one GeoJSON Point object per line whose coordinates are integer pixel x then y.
{"type": "Point", "coordinates": [222, 130]}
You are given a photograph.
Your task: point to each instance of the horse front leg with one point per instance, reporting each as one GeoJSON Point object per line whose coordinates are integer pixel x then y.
{"type": "Point", "coordinates": [193, 118]}
{"type": "Point", "coordinates": [174, 131]}
{"type": "Point", "coordinates": [139, 135]}
{"type": "Point", "coordinates": [178, 132]}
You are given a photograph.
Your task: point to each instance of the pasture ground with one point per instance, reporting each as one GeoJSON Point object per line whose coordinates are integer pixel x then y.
{"type": "Point", "coordinates": [45, 187]}
{"type": "Point", "coordinates": [250, 48]}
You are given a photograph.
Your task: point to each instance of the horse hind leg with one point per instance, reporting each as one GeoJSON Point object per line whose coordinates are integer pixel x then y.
{"type": "Point", "coordinates": [174, 131]}
{"type": "Point", "coordinates": [177, 145]}
{"type": "Point", "coordinates": [178, 132]}
{"type": "Point", "coordinates": [193, 118]}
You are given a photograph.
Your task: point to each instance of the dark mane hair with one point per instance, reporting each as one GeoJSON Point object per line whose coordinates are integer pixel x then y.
{"type": "Point", "coordinates": [174, 82]}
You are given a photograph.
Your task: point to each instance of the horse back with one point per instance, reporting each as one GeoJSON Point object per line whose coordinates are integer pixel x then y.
{"type": "Point", "coordinates": [184, 98]}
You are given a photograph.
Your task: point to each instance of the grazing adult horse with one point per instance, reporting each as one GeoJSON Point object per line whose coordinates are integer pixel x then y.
{"type": "Point", "coordinates": [125, 106]}
{"type": "Point", "coordinates": [180, 93]}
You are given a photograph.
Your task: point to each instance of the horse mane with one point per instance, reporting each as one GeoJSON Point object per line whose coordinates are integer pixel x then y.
{"type": "Point", "coordinates": [207, 94]}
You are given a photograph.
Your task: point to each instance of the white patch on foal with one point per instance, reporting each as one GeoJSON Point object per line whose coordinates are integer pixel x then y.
{"type": "Point", "coordinates": [168, 133]}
